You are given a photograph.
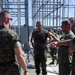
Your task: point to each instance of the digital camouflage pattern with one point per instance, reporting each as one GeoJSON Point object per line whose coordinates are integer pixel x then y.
{"type": "Point", "coordinates": [40, 39]}
{"type": "Point", "coordinates": [63, 56]}
{"type": "Point", "coordinates": [63, 50]}
{"type": "Point", "coordinates": [9, 69]}
{"type": "Point", "coordinates": [7, 55]}
{"type": "Point", "coordinates": [72, 46]}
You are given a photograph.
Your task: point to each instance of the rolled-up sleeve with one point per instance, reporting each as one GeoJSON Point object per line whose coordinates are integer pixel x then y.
{"type": "Point", "coordinates": [17, 44]}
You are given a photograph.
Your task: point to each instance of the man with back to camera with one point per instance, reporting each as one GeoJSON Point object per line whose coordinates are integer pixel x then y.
{"type": "Point", "coordinates": [10, 47]}
{"type": "Point", "coordinates": [39, 41]}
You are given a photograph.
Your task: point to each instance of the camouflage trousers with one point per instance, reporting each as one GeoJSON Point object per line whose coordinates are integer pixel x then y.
{"type": "Point", "coordinates": [64, 69]}
{"type": "Point", "coordinates": [40, 59]}
{"type": "Point", "coordinates": [9, 69]}
{"type": "Point", "coordinates": [73, 69]}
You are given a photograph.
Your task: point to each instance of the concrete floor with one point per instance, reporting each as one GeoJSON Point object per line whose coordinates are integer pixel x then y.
{"type": "Point", "coordinates": [51, 69]}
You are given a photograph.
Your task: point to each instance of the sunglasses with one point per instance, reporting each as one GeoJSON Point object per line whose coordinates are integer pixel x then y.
{"type": "Point", "coordinates": [10, 19]}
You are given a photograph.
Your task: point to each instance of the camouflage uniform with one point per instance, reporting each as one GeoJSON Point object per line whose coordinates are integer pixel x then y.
{"type": "Point", "coordinates": [72, 45]}
{"type": "Point", "coordinates": [8, 38]}
{"type": "Point", "coordinates": [63, 56]}
{"type": "Point", "coordinates": [40, 38]}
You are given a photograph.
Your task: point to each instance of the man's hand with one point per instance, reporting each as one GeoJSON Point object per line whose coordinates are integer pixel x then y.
{"type": "Point", "coordinates": [26, 73]}
{"type": "Point", "coordinates": [53, 44]}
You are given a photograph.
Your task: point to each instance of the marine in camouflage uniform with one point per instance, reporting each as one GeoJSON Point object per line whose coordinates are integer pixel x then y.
{"type": "Point", "coordinates": [10, 48]}
{"type": "Point", "coordinates": [39, 45]}
{"type": "Point", "coordinates": [72, 52]}
{"type": "Point", "coordinates": [72, 45]}
{"type": "Point", "coordinates": [8, 65]}
{"type": "Point", "coordinates": [63, 56]}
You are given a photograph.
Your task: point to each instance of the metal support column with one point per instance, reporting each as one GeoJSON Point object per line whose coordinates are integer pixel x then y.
{"type": "Point", "coordinates": [1, 2]}
{"type": "Point", "coordinates": [53, 12]}
{"type": "Point", "coordinates": [19, 17]}
{"type": "Point", "coordinates": [57, 14]}
{"type": "Point", "coordinates": [26, 19]}
{"type": "Point", "coordinates": [63, 10]}
{"type": "Point", "coordinates": [42, 12]}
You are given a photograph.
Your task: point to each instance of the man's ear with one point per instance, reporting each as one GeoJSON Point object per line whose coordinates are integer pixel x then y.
{"type": "Point", "coordinates": [7, 20]}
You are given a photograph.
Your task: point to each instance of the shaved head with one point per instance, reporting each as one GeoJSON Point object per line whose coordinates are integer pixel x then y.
{"type": "Point", "coordinates": [5, 18]}
{"type": "Point", "coordinates": [3, 13]}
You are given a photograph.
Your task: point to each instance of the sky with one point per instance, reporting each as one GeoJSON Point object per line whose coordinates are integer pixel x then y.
{"type": "Point", "coordinates": [68, 13]}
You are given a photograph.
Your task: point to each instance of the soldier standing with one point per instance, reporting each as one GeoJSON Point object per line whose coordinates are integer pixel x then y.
{"type": "Point", "coordinates": [63, 56]}
{"type": "Point", "coordinates": [10, 47]}
{"type": "Point", "coordinates": [72, 46]}
{"type": "Point", "coordinates": [39, 40]}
